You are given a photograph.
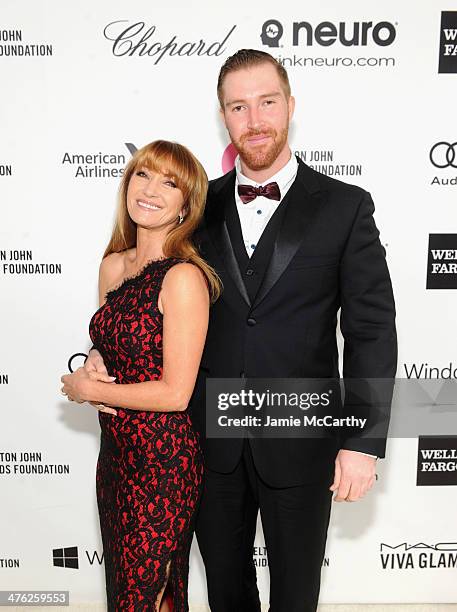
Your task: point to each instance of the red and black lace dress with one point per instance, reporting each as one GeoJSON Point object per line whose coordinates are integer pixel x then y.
{"type": "Point", "coordinates": [149, 469]}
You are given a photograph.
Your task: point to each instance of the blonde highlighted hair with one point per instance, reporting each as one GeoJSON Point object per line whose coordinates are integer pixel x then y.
{"type": "Point", "coordinates": [178, 162]}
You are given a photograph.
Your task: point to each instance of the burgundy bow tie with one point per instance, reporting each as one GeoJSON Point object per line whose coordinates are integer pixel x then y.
{"type": "Point", "coordinates": [248, 193]}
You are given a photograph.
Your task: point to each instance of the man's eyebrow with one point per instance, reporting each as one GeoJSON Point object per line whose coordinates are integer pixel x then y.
{"type": "Point", "coordinates": [230, 102]}
{"type": "Point", "coordinates": [273, 94]}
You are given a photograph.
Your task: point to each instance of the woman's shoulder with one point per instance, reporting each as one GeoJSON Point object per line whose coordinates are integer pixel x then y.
{"type": "Point", "coordinates": [184, 275]}
{"type": "Point", "coordinates": [184, 290]}
{"type": "Point", "coordinates": [112, 268]}
{"type": "Point", "coordinates": [113, 264]}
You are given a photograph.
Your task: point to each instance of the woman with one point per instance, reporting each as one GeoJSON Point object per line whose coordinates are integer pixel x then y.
{"type": "Point", "coordinates": [150, 330]}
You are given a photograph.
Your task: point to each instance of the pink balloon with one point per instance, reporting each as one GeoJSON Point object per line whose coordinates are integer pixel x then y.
{"type": "Point", "coordinates": [228, 158]}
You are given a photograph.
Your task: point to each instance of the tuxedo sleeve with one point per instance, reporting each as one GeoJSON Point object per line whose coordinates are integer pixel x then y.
{"type": "Point", "coordinates": [367, 322]}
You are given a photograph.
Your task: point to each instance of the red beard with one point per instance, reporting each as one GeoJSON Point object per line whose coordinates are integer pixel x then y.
{"type": "Point", "coordinates": [262, 156]}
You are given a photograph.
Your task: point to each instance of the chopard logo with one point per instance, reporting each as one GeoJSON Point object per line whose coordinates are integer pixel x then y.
{"type": "Point", "coordinates": [139, 39]}
{"type": "Point", "coordinates": [444, 154]}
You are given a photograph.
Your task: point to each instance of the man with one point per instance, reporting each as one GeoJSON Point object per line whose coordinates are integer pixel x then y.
{"type": "Point", "coordinates": [289, 255]}
{"type": "Point", "coordinates": [291, 246]}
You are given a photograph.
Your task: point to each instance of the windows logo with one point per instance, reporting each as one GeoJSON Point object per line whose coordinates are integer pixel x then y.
{"type": "Point", "coordinates": [65, 557]}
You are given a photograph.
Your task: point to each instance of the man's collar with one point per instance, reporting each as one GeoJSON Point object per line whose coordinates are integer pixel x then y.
{"type": "Point", "coordinates": [282, 177]}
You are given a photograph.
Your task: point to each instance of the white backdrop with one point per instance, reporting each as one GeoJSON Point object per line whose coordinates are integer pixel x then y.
{"type": "Point", "coordinates": [67, 91]}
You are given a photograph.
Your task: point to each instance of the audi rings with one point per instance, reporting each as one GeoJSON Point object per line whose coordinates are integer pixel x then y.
{"type": "Point", "coordinates": [444, 154]}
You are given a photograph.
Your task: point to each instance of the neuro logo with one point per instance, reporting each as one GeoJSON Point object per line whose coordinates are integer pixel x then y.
{"type": "Point", "coordinates": [444, 155]}
{"type": "Point", "coordinates": [448, 42]}
{"type": "Point", "coordinates": [272, 32]}
{"type": "Point", "coordinates": [66, 557]}
{"type": "Point", "coordinates": [327, 33]}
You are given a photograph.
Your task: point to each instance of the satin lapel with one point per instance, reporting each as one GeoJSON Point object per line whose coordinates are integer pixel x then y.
{"type": "Point", "coordinates": [303, 203]}
{"type": "Point", "coordinates": [218, 231]}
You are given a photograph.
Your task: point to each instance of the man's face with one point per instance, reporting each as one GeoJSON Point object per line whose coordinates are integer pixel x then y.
{"type": "Point", "coordinates": [256, 113]}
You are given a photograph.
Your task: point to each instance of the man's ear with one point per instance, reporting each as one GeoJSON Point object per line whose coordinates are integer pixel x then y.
{"type": "Point", "coordinates": [291, 105]}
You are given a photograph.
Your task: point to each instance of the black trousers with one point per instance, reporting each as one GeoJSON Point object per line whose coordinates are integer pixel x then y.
{"type": "Point", "coordinates": [295, 522]}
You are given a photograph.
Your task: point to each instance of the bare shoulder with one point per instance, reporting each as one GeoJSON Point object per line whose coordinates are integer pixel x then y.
{"type": "Point", "coordinates": [111, 271]}
{"type": "Point", "coordinates": [184, 281]}
{"type": "Point", "coordinates": [112, 266]}
{"type": "Point", "coordinates": [184, 273]}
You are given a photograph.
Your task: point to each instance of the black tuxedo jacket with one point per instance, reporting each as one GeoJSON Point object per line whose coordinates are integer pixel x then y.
{"type": "Point", "coordinates": [277, 315]}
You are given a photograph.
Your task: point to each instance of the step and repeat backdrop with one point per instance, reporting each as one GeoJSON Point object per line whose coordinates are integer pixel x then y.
{"type": "Point", "coordinates": [84, 84]}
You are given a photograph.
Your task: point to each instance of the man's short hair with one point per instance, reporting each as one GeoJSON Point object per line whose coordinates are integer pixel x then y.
{"type": "Point", "coordinates": [245, 58]}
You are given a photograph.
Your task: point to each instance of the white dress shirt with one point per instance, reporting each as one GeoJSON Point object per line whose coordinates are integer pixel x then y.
{"type": "Point", "coordinates": [254, 215]}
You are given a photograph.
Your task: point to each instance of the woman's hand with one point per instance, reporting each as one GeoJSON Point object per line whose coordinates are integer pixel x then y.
{"type": "Point", "coordinates": [77, 386]}
{"type": "Point", "coordinates": [95, 367]}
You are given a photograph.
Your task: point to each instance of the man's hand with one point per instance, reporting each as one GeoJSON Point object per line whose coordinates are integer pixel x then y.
{"type": "Point", "coordinates": [355, 474]}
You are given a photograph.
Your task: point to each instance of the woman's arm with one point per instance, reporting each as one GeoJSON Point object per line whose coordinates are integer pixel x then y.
{"type": "Point", "coordinates": [111, 268]}
{"type": "Point", "coordinates": [184, 300]}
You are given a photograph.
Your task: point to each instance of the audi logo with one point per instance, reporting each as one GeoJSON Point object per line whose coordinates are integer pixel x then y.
{"type": "Point", "coordinates": [444, 154]}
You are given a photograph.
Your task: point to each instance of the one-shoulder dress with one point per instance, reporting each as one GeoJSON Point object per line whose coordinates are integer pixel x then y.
{"type": "Point", "coordinates": [149, 469]}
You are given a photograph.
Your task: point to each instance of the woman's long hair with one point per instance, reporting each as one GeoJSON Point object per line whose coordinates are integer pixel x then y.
{"type": "Point", "coordinates": [176, 161]}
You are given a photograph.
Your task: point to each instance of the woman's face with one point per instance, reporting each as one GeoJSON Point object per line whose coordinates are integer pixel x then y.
{"type": "Point", "coordinates": [153, 199]}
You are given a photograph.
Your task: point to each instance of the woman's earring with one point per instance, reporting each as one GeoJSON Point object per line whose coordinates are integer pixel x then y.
{"type": "Point", "coordinates": [181, 218]}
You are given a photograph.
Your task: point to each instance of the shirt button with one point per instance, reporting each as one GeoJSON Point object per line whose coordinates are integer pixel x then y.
{"type": "Point", "coordinates": [251, 322]}
{"type": "Point", "coordinates": [259, 212]}
{"type": "Point", "coordinates": [249, 272]}
{"type": "Point", "coordinates": [253, 246]}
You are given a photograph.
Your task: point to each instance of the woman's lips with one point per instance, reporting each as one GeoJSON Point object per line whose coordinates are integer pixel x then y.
{"type": "Point", "coordinates": [147, 205]}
